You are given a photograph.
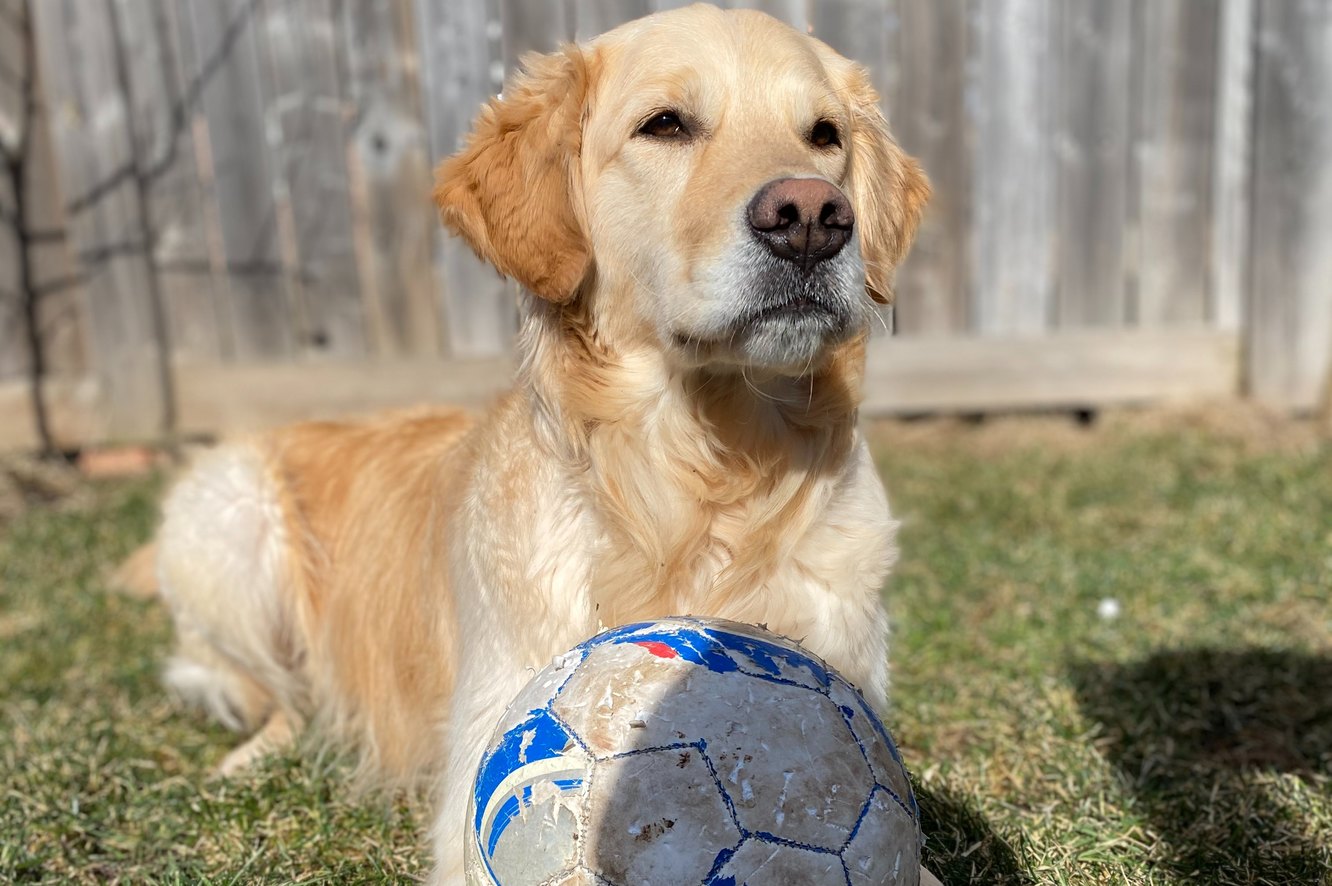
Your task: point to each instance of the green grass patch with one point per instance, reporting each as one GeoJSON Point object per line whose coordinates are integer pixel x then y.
{"type": "Point", "coordinates": [1186, 740]}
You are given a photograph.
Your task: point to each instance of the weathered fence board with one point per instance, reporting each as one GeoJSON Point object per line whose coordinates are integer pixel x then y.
{"type": "Point", "coordinates": [462, 68]}
{"type": "Point", "coordinates": [930, 116]}
{"type": "Point", "coordinates": [862, 30]}
{"type": "Point", "coordinates": [1073, 370]}
{"type": "Point", "coordinates": [1092, 161]}
{"type": "Point", "coordinates": [593, 17]}
{"type": "Point", "coordinates": [176, 202]}
{"type": "Point", "coordinates": [305, 118]}
{"type": "Point", "coordinates": [793, 12]}
{"type": "Point", "coordinates": [389, 174]}
{"type": "Point", "coordinates": [90, 130]}
{"type": "Point", "coordinates": [533, 26]}
{"type": "Point", "coordinates": [1178, 58]}
{"type": "Point", "coordinates": [1231, 159]}
{"type": "Point", "coordinates": [60, 327]}
{"type": "Point", "coordinates": [1013, 158]}
{"type": "Point", "coordinates": [907, 375]}
{"type": "Point", "coordinates": [1106, 173]}
{"type": "Point", "coordinates": [231, 98]}
{"type": "Point", "coordinates": [1290, 302]}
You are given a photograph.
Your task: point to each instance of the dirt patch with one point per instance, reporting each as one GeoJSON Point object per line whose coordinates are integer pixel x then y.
{"type": "Point", "coordinates": [27, 482]}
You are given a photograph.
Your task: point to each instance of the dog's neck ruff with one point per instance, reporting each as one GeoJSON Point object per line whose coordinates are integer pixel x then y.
{"type": "Point", "coordinates": [698, 482]}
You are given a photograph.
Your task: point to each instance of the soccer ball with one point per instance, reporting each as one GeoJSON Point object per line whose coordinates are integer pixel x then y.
{"type": "Point", "coordinates": [691, 751]}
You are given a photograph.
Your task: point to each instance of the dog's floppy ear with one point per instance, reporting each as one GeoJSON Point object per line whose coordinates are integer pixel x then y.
{"type": "Point", "coordinates": [888, 188]}
{"type": "Point", "coordinates": [509, 192]}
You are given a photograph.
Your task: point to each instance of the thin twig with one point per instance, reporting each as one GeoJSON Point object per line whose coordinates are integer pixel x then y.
{"type": "Point", "coordinates": [17, 165]}
{"type": "Point", "coordinates": [108, 251]}
{"type": "Point", "coordinates": [179, 117]}
{"type": "Point", "coordinates": [166, 383]}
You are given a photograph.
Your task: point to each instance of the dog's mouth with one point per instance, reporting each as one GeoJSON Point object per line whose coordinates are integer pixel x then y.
{"type": "Point", "coordinates": [810, 312]}
{"type": "Point", "coordinates": [797, 307]}
{"type": "Point", "coordinates": [774, 315]}
{"type": "Point", "coordinates": [786, 334]}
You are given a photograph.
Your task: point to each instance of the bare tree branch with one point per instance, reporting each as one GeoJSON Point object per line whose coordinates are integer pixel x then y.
{"type": "Point", "coordinates": [166, 382]}
{"type": "Point", "coordinates": [180, 111]}
{"type": "Point", "coordinates": [10, 76]}
{"type": "Point", "coordinates": [94, 194]}
{"type": "Point", "coordinates": [17, 161]}
{"type": "Point", "coordinates": [107, 251]}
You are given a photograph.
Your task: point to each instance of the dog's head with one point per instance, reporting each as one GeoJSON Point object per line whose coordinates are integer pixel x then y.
{"type": "Point", "coordinates": [718, 183]}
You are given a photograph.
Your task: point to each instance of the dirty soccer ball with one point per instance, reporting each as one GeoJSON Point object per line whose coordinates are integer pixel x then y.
{"type": "Point", "coordinates": [691, 751]}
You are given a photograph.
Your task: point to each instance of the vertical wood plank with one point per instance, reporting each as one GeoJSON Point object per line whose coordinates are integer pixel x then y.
{"type": "Point", "coordinates": [533, 26]}
{"type": "Point", "coordinates": [1092, 157]}
{"type": "Point", "coordinates": [209, 274]}
{"type": "Point", "coordinates": [61, 314]}
{"type": "Point", "coordinates": [593, 17]}
{"type": "Point", "coordinates": [1014, 162]}
{"type": "Point", "coordinates": [793, 12]}
{"type": "Point", "coordinates": [1233, 156]}
{"type": "Point", "coordinates": [1177, 56]}
{"type": "Point", "coordinates": [860, 30]}
{"type": "Point", "coordinates": [389, 174]}
{"type": "Point", "coordinates": [929, 114]}
{"type": "Point", "coordinates": [304, 113]}
{"type": "Point", "coordinates": [180, 248]}
{"type": "Point", "coordinates": [90, 128]}
{"type": "Point", "coordinates": [462, 67]}
{"type": "Point", "coordinates": [231, 99]}
{"type": "Point", "coordinates": [1290, 308]}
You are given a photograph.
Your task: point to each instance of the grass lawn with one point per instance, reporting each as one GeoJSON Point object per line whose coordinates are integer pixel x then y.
{"type": "Point", "coordinates": [1112, 664]}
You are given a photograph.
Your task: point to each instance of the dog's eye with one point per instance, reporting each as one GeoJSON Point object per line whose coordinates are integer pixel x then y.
{"type": "Point", "coordinates": [824, 135]}
{"type": "Point", "coordinates": [664, 124]}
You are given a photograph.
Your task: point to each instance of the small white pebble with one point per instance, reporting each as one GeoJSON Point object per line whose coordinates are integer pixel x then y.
{"type": "Point", "coordinates": [1108, 609]}
{"type": "Point", "coordinates": [639, 721]}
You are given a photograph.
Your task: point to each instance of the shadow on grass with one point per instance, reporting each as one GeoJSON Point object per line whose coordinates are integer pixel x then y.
{"type": "Point", "coordinates": [960, 846]}
{"type": "Point", "coordinates": [1198, 734]}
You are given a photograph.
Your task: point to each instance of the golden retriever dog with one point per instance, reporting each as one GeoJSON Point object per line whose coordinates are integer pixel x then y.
{"type": "Point", "coordinates": [704, 208]}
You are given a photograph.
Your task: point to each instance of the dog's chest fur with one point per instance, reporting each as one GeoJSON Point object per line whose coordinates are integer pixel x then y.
{"type": "Point", "coordinates": [801, 541]}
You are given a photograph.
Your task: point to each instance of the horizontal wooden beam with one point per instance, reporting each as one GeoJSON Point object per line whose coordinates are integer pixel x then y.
{"type": "Point", "coordinates": [74, 410]}
{"type": "Point", "coordinates": [1072, 370]}
{"type": "Point", "coordinates": [234, 398]}
{"type": "Point", "coordinates": [905, 375]}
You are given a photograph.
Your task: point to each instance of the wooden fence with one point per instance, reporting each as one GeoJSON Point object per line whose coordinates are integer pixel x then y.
{"type": "Point", "coordinates": [1134, 201]}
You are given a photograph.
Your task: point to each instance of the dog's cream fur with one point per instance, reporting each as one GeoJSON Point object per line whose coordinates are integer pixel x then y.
{"type": "Point", "coordinates": [395, 581]}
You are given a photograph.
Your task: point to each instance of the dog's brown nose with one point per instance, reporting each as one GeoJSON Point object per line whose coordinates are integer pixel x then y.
{"type": "Point", "coordinates": [804, 220]}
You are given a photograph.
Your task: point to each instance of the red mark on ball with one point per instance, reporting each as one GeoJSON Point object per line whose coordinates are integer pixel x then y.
{"type": "Point", "coordinates": [658, 648]}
